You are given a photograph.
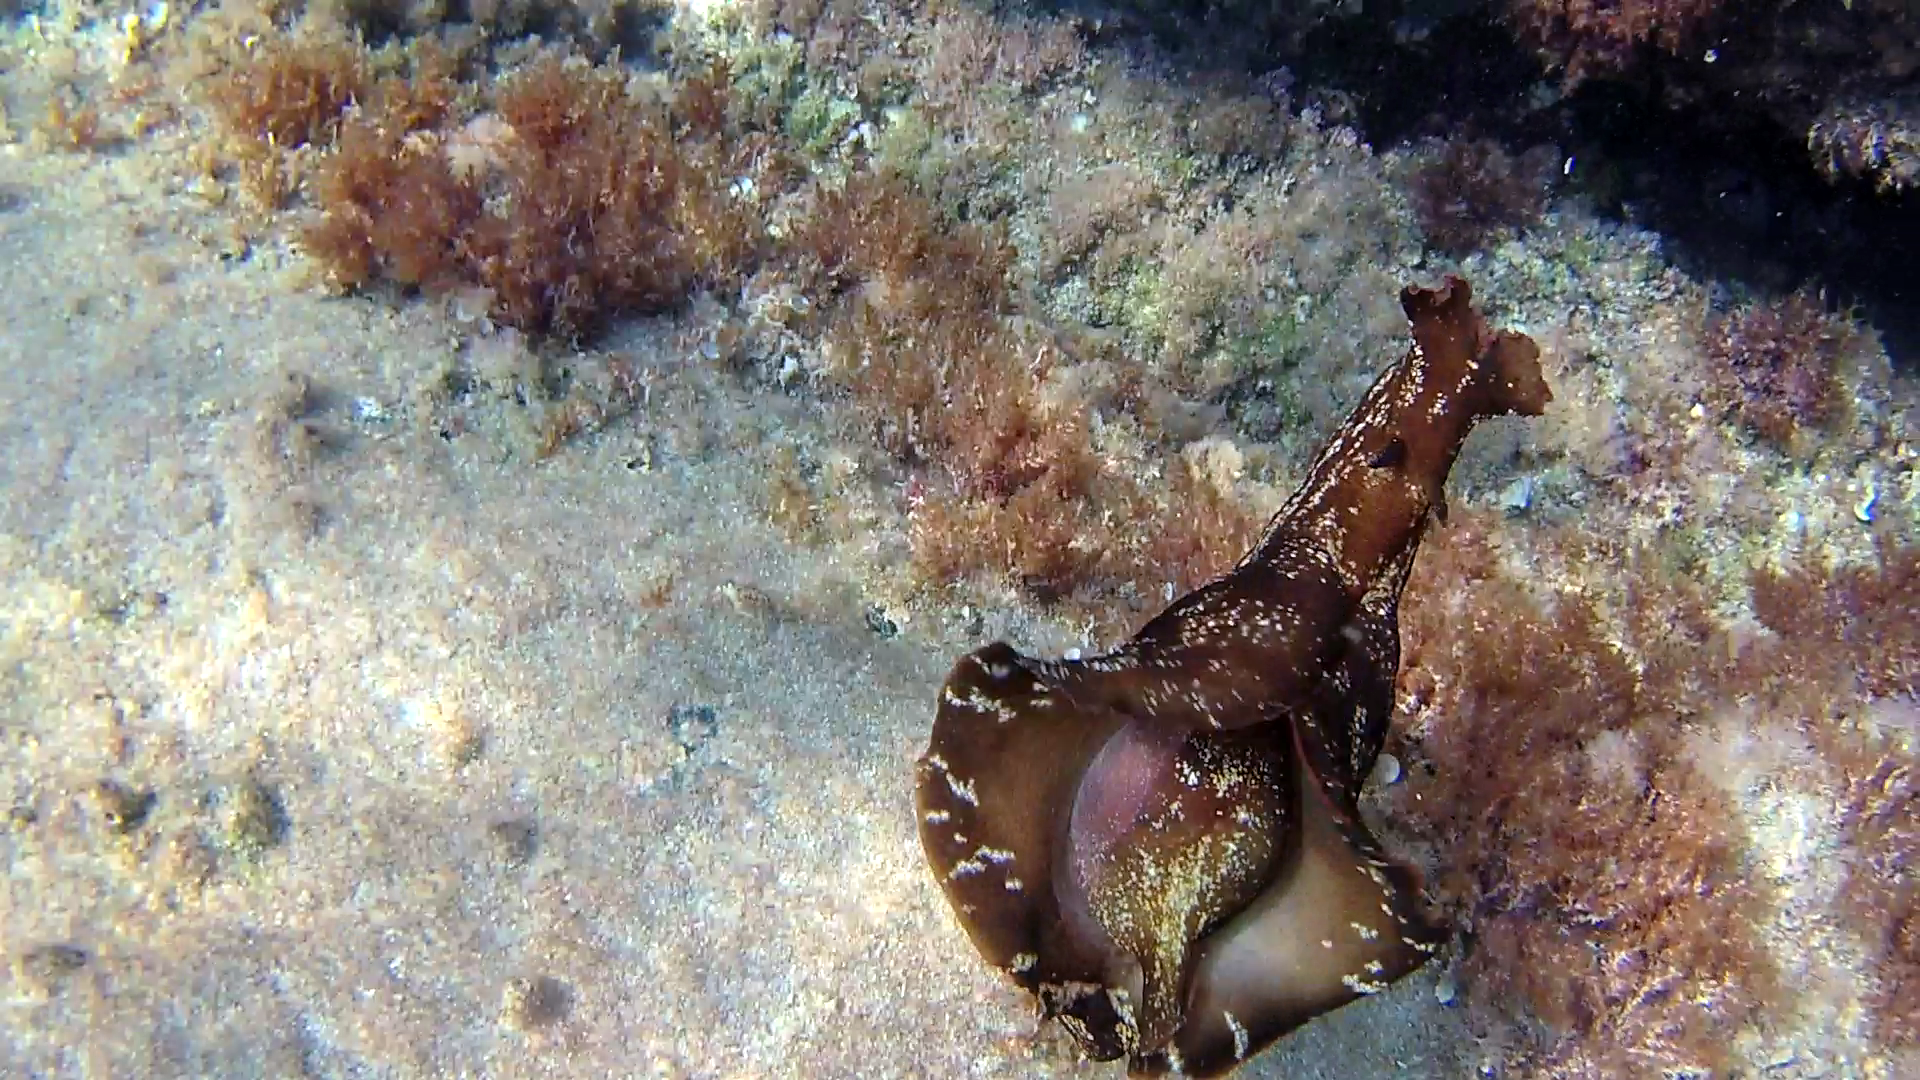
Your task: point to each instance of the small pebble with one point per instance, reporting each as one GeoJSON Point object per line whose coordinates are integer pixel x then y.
{"type": "Point", "coordinates": [460, 738]}
{"type": "Point", "coordinates": [252, 818]}
{"type": "Point", "coordinates": [692, 725]}
{"type": "Point", "coordinates": [745, 599]}
{"type": "Point", "coordinates": [1517, 496]}
{"type": "Point", "coordinates": [515, 840]}
{"type": "Point", "coordinates": [21, 816]}
{"type": "Point", "coordinates": [124, 809]}
{"type": "Point", "coordinates": [1386, 770]}
{"type": "Point", "coordinates": [189, 862]}
{"type": "Point", "coordinates": [880, 622]}
{"type": "Point", "coordinates": [1863, 507]}
{"type": "Point", "coordinates": [531, 1002]}
{"type": "Point", "coordinates": [43, 969]}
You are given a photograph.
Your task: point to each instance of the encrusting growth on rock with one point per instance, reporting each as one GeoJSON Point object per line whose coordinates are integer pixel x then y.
{"type": "Point", "coordinates": [1163, 843]}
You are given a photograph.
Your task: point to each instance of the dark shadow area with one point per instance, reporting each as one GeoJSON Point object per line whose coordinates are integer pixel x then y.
{"type": "Point", "coordinates": [1733, 191]}
{"type": "Point", "coordinates": [1738, 199]}
{"type": "Point", "coordinates": [1735, 194]}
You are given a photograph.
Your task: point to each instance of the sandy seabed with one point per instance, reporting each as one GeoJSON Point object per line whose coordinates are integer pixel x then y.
{"type": "Point", "coordinates": [336, 745]}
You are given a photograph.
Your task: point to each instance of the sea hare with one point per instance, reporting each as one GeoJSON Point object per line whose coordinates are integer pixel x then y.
{"type": "Point", "coordinates": [1162, 844]}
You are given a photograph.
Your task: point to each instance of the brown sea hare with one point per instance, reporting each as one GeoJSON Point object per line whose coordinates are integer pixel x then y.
{"type": "Point", "coordinates": [1162, 844]}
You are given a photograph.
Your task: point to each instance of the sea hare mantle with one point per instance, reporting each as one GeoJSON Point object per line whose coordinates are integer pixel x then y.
{"type": "Point", "coordinates": [1162, 844]}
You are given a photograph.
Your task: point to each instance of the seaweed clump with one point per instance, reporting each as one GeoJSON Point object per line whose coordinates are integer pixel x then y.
{"type": "Point", "coordinates": [920, 338]}
{"type": "Point", "coordinates": [1473, 190]}
{"type": "Point", "coordinates": [569, 194]}
{"type": "Point", "coordinates": [992, 414]}
{"type": "Point", "coordinates": [1591, 866]}
{"type": "Point", "coordinates": [574, 200]}
{"type": "Point", "coordinates": [1580, 764]}
{"type": "Point", "coordinates": [1598, 37]}
{"type": "Point", "coordinates": [1775, 366]}
{"type": "Point", "coordinates": [1858, 630]}
{"type": "Point", "coordinates": [292, 91]}
{"type": "Point", "coordinates": [1882, 821]}
{"type": "Point", "coordinates": [282, 99]}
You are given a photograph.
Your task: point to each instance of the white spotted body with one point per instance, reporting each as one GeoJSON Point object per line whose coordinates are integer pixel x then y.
{"type": "Point", "coordinates": [1163, 843]}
